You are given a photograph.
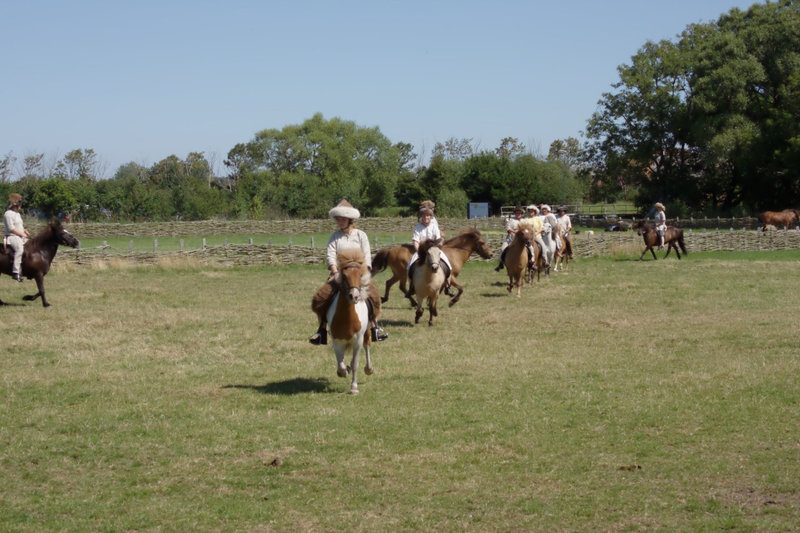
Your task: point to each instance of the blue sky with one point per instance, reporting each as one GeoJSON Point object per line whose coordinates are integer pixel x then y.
{"type": "Point", "coordinates": [139, 81]}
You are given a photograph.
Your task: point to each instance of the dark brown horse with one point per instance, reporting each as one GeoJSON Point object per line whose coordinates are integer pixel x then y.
{"type": "Point", "coordinates": [778, 218]}
{"type": "Point", "coordinates": [38, 255]}
{"type": "Point", "coordinates": [458, 250]}
{"type": "Point", "coordinates": [672, 238]}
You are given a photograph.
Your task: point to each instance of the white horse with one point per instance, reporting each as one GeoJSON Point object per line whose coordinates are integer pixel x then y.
{"type": "Point", "coordinates": [549, 240]}
{"type": "Point", "coordinates": [429, 278]}
{"type": "Point", "coordinates": [348, 315]}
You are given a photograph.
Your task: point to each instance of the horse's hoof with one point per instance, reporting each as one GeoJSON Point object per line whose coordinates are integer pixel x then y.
{"type": "Point", "coordinates": [353, 392]}
{"type": "Point", "coordinates": [341, 372]}
{"type": "Point", "coordinates": [369, 370]}
{"type": "Point", "coordinates": [384, 300]}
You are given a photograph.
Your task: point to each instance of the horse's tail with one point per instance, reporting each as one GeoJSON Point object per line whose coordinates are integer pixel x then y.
{"type": "Point", "coordinates": [380, 261]}
{"type": "Point", "coordinates": [680, 242]}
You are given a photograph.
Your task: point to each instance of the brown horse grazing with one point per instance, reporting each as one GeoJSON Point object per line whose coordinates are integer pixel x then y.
{"type": "Point", "coordinates": [38, 255]}
{"type": "Point", "coordinates": [516, 258]}
{"type": "Point", "coordinates": [672, 238]}
{"type": "Point", "coordinates": [458, 250]}
{"type": "Point", "coordinates": [778, 218]}
{"type": "Point", "coordinates": [429, 278]}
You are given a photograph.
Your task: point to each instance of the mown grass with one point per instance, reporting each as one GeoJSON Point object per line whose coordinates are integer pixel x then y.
{"type": "Point", "coordinates": [622, 395]}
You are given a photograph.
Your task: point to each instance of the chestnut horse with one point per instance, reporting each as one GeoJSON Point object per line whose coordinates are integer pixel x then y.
{"type": "Point", "coordinates": [672, 238]}
{"type": "Point", "coordinates": [778, 218]}
{"type": "Point", "coordinates": [348, 315]}
{"type": "Point", "coordinates": [429, 278]}
{"type": "Point", "coordinates": [458, 250]}
{"type": "Point", "coordinates": [37, 256]}
{"type": "Point", "coordinates": [516, 258]}
{"type": "Point", "coordinates": [562, 253]}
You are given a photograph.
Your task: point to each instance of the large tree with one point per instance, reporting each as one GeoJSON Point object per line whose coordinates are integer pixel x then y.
{"type": "Point", "coordinates": [311, 166]}
{"type": "Point", "coordinates": [709, 121]}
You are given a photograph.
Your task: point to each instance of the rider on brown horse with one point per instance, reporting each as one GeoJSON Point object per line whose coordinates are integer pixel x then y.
{"type": "Point", "coordinates": [346, 237]}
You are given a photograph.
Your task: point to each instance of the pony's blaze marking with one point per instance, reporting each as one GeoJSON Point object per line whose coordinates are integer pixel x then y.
{"type": "Point", "coordinates": [345, 322]}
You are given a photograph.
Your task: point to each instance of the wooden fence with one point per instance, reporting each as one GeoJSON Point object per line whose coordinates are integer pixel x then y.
{"type": "Point", "coordinates": [586, 245]}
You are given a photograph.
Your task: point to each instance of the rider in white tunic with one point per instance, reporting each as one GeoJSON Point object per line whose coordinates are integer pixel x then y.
{"type": "Point", "coordinates": [661, 223]}
{"type": "Point", "coordinates": [425, 230]}
{"type": "Point", "coordinates": [15, 233]}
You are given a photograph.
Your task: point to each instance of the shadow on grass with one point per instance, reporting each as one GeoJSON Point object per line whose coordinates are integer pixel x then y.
{"type": "Point", "coordinates": [397, 323]}
{"type": "Point", "coordinates": [289, 386]}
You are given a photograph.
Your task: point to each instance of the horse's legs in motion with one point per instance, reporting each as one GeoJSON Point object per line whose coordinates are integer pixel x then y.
{"type": "Point", "coordinates": [457, 285]}
{"type": "Point", "coordinates": [431, 309]}
{"type": "Point", "coordinates": [389, 283]}
{"type": "Point", "coordinates": [40, 286]}
{"type": "Point", "coordinates": [341, 368]}
{"type": "Point", "coordinates": [368, 370]}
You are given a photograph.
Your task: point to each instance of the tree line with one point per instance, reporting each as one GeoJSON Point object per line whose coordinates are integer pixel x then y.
{"type": "Point", "coordinates": [706, 123]}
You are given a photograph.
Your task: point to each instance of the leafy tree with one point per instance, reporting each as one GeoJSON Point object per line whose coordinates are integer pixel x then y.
{"type": "Point", "coordinates": [53, 197]}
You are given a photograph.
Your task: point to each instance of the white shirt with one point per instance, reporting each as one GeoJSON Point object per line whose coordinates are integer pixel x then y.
{"type": "Point", "coordinates": [12, 220]}
{"type": "Point", "coordinates": [423, 233]}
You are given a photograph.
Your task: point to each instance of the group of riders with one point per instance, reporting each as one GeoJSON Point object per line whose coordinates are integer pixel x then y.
{"type": "Point", "coordinates": [348, 236]}
{"type": "Point", "coordinates": [541, 221]}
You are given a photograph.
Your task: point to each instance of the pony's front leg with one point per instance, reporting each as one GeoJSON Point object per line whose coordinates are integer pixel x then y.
{"type": "Point", "coordinates": [368, 370]}
{"type": "Point", "coordinates": [418, 312]}
{"type": "Point", "coordinates": [432, 312]}
{"type": "Point", "coordinates": [459, 287]}
{"type": "Point", "coordinates": [338, 350]}
{"type": "Point", "coordinates": [40, 287]}
{"type": "Point", "coordinates": [354, 368]}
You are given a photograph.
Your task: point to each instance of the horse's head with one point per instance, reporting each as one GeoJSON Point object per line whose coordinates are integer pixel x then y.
{"type": "Point", "coordinates": [482, 247]}
{"type": "Point", "coordinates": [353, 273]}
{"type": "Point", "coordinates": [430, 252]}
{"type": "Point", "coordinates": [524, 234]}
{"type": "Point", "coordinates": [62, 236]}
{"type": "Point", "coordinates": [642, 227]}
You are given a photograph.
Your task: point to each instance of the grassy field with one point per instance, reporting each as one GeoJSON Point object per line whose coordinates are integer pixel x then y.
{"type": "Point", "coordinates": [622, 395]}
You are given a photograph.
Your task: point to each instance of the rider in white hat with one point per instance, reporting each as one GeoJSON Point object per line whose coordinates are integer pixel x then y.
{"type": "Point", "coordinates": [348, 236]}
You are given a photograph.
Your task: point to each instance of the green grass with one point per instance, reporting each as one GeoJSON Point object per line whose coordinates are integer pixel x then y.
{"type": "Point", "coordinates": [622, 395]}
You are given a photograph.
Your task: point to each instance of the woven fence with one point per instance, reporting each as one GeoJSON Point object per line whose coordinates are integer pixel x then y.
{"type": "Point", "coordinates": [586, 245]}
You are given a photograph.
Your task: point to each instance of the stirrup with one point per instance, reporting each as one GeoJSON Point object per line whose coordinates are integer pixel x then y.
{"type": "Point", "coordinates": [320, 337]}
{"type": "Point", "coordinates": [379, 334]}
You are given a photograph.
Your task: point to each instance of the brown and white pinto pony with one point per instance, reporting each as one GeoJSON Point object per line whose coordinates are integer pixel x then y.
{"type": "Point", "coordinates": [458, 250]}
{"type": "Point", "coordinates": [348, 316]}
{"type": "Point", "coordinates": [778, 218]}
{"type": "Point", "coordinates": [429, 278]}
{"type": "Point", "coordinates": [516, 258]}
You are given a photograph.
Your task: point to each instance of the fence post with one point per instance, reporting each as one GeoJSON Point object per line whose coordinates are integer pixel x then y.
{"type": "Point", "coordinates": [181, 245]}
{"type": "Point", "coordinates": [290, 241]}
{"type": "Point", "coordinates": [204, 244]}
{"type": "Point", "coordinates": [312, 242]}
{"type": "Point", "coordinates": [155, 246]}
{"type": "Point", "coordinates": [130, 247]}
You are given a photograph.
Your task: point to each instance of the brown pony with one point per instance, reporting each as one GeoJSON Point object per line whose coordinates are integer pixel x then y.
{"type": "Point", "coordinates": [778, 218]}
{"type": "Point", "coordinates": [562, 255]}
{"type": "Point", "coordinates": [516, 258]}
{"type": "Point", "coordinates": [38, 255]}
{"type": "Point", "coordinates": [458, 250]}
{"type": "Point", "coordinates": [672, 238]}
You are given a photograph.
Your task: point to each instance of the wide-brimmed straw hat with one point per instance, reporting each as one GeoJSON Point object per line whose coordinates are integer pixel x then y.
{"type": "Point", "coordinates": [532, 208]}
{"type": "Point", "coordinates": [424, 211]}
{"type": "Point", "coordinates": [427, 203]}
{"type": "Point", "coordinates": [346, 210]}
{"type": "Point", "coordinates": [659, 205]}
{"type": "Point", "coordinates": [14, 199]}
{"type": "Point", "coordinates": [545, 206]}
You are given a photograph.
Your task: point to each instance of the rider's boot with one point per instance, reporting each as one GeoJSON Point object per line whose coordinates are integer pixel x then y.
{"type": "Point", "coordinates": [321, 336]}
